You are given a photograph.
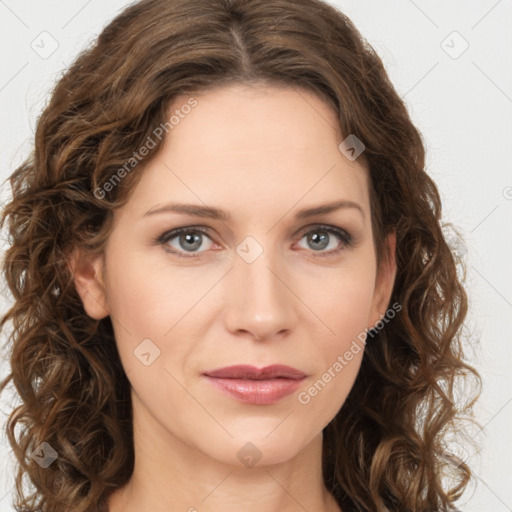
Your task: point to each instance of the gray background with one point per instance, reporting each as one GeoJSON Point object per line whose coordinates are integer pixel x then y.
{"type": "Point", "coordinates": [461, 100]}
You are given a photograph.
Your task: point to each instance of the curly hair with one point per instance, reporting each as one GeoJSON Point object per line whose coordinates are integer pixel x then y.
{"type": "Point", "coordinates": [386, 448]}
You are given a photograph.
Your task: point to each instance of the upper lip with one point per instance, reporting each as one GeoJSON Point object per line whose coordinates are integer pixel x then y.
{"type": "Point", "coordinates": [242, 371]}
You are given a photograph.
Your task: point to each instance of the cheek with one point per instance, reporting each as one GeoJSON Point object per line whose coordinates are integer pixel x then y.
{"type": "Point", "coordinates": [149, 299]}
{"type": "Point", "coordinates": [342, 298]}
{"type": "Point", "coordinates": [339, 354]}
{"type": "Point", "coordinates": [145, 297]}
{"type": "Point", "coordinates": [140, 303]}
{"type": "Point", "coordinates": [343, 303]}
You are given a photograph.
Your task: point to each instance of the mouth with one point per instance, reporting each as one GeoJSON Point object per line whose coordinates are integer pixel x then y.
{"type": "Point", "coordinates": [255, 386]}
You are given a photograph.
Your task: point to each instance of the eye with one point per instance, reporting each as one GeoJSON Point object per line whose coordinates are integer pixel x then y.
{"type": "Point", "coordinates": [320, 238]}
{"type": "Point", "coordinates": [189, 239]}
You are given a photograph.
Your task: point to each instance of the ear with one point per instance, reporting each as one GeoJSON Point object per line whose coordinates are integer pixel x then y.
{"type": "Point", "coordinates": [384, 281]}
{"type": "Point", "coordinates": [87, 271]}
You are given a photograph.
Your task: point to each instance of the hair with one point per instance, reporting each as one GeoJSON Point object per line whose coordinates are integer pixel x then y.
{"type": "Point", "coordinates": [385, 450]}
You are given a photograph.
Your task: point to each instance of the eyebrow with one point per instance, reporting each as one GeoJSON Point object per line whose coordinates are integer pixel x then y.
{"type": "Point", "coordinates": [218, 214]}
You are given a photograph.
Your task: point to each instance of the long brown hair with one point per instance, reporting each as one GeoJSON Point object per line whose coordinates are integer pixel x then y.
{"type": "Point", "coordinates": [384, 450]}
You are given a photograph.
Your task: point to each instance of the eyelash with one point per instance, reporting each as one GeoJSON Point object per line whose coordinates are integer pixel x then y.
{"type": "Point", "coordinates": [346, 238]}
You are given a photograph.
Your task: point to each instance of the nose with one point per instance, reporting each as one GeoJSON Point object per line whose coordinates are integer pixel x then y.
{"type": "Point", "coordinates": [259, 301]}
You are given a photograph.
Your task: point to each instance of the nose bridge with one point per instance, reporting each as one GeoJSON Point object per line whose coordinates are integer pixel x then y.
{"type": "Point", "coordinates": [260, 301]}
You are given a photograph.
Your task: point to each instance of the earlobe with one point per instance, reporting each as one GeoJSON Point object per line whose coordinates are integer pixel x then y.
{"type": "Point", "coordinates": [87, 272]}
{"type": "Point", "coordinates": [385, 281]}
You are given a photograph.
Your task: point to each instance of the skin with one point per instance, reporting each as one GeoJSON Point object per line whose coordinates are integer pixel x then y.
{"type": "Point", "coordinates": [260, 153]}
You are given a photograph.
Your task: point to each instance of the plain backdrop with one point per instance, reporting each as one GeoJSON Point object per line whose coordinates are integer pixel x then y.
{"type": "Point", "coordinates": [450, 61]}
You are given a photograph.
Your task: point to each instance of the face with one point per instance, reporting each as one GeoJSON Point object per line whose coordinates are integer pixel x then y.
{"type": "Point", "coordinates": [262, 285]}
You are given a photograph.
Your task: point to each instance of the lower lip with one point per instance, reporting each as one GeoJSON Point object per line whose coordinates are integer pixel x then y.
{"type": "Point", "coordinates": [257, 392]}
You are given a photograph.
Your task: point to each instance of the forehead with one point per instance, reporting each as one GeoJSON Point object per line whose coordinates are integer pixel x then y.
{"type": "Point", "coordinates": [251, 119]}
{"type": "Point", "coordinates": [263, 146]}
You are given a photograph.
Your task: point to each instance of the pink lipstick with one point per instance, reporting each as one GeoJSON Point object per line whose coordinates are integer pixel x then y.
{"type": "Point", "coordinates": [257, 386]}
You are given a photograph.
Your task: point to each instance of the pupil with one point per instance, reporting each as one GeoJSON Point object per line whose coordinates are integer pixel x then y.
{"type": "Point", "coordinates": [316, 239]}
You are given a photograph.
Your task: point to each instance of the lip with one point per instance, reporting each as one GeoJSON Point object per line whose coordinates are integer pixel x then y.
{"type": "Point", "coordinates": [245, 371]}
{"type": "Point", "coordinates": [255, 386]}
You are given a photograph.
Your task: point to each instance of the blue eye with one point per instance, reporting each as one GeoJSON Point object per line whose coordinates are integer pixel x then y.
{"type": "Point", "coordinates": [320, 236]}
{"type": "Point", "coordinates": [189, 239]}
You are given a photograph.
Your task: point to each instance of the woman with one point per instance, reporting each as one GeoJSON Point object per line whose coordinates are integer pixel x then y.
{"type": "Point", "coordinates": [303, 353]}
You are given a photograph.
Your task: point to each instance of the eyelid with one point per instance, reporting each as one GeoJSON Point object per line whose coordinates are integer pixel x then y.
{"type": "Point", "coordinates": [327, 227]}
